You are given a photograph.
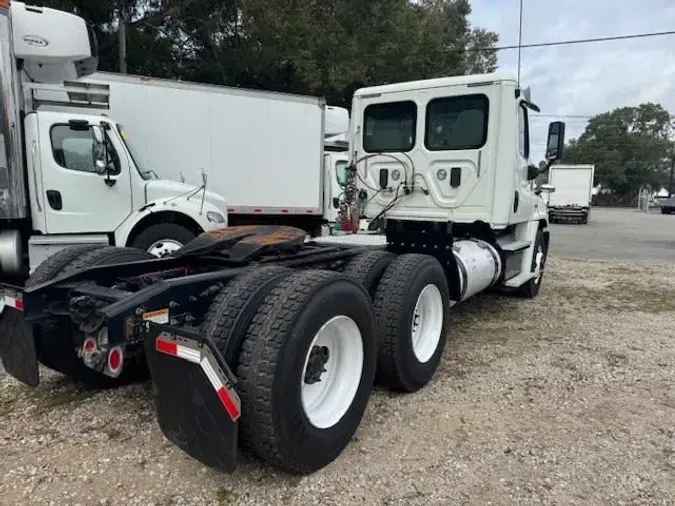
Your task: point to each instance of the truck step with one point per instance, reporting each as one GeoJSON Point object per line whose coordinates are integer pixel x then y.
{"type": "Point", "coordinates": [519, 280]}
{"type": "Point", "coordinates": [513, 247]}
{"type": "Point", "coordinates": [353, 239]}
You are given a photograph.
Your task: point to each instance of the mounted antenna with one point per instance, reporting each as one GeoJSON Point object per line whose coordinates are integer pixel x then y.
{"type": "Point", "coordinates": [520, 39]}
{"type": "Point", "coordinates": [204, 180]}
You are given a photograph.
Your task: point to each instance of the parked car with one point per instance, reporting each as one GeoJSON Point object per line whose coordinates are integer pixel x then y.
{"type": "Point", "coordinates": [668, 205]}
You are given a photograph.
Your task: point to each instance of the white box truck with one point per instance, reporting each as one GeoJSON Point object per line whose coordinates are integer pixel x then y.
{"type": "Point", "coordinates": [267, 153]}
{"type": "Point", "coordinates": [68, 174]}
{"type": "Point", "coordinates": [571, 200]}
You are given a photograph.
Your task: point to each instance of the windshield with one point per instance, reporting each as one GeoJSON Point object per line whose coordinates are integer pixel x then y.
{"type": "Point", "coordinates": [135, 156]}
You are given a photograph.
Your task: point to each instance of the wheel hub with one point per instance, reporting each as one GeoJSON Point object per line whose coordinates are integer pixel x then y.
{"type": "Point", "coordinates": [316, 364]}
{"type": "Point", "coordinates": [164, 247]}
{"type": "Point", "coordinates": [332, 371]}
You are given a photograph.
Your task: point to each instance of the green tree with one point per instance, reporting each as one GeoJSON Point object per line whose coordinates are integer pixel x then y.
{"type": "Point", "coordinates": [321, 47]}
{"type": "Point", "coordinates": [630, 146]}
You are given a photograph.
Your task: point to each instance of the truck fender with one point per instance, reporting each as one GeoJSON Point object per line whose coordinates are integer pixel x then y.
{"type": "Point", "coordinates": [189, 214]}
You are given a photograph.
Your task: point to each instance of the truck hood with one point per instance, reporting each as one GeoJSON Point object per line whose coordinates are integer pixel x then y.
{"type": "Point", "coordinates": [164, 189]}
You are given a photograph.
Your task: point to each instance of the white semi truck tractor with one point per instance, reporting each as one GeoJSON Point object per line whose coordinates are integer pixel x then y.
{"type": "Point", "coordinates": [69, 174]}
{"type": "Point", "coordinates": [254, 335]}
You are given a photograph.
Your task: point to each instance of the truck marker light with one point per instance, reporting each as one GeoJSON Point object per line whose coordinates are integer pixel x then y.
{"type": "Point", "coordinates": [89, 344]}
{"type": "Point", "coordinates": [227, 396]}
{"type": "Point", "coordinates": [115, 360]}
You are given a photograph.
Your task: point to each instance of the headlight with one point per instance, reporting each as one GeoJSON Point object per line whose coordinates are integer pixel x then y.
{"type": "Point", "coordinates": [441, 174]}
{"type": "Point", "coordinates": [395, 174]}
{"type": "Point", "coordinates": [215, 217]}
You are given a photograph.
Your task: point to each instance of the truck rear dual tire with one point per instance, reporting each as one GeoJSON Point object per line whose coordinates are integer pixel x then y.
{"type": "Point", "coordinates": [306, 367]}
{"type": "Point", "coordinates": [231, 312]}
{"type": "Point", "coordinates": [412, 313]}
{"type": "Point", "coordinates": [367, 268]}
{"type": "Point", "coordinates": [55, 337]}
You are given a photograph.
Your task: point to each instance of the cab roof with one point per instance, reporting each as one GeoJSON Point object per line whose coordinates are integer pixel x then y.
{"type": "Point", "coordinates": [474, 80]}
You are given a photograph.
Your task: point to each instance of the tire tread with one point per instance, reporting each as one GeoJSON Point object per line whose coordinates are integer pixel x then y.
{"type": "Point", "coordinates": [367, 268]}
{"type": "Point", "coordinates": [389, 299]}
{"type": "Point", "coordinates": [265, 338]}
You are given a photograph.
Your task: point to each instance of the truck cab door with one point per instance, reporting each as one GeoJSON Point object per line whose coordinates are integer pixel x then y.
{"type": "Point", "coordinates": [77, 197]}
{"type": "Point", "coordinates": [524, 197]}
{"type": "Point", "coordinates": [335, 174]}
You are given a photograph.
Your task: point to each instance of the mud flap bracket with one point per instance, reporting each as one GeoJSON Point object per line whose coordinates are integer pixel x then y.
{"type": "Point", "coordinates": [197, 407]}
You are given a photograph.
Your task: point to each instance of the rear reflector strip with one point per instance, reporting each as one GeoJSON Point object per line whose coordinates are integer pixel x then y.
{"type": "Point", "coordinates": [227, 396]}
{"type": "Point", "coordinates": [166, 347]}
{"type": "Point", "coordinates": [13, 302]}
{"type": "Point", "coordinates": [231, 406]}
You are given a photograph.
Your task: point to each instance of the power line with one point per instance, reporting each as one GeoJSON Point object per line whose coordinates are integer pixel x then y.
{"type": "Point", "coordinates": [572, 41]}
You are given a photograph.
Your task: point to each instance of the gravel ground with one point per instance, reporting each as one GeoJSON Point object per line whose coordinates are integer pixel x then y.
{"type": "Point", "coordinates": [566, 399]}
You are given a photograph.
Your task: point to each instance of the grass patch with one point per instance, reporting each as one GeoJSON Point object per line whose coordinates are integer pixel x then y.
{"type": "Point", "coordinates": [53, 400]}
{"type": "Point", "coordinates": [621, 296]}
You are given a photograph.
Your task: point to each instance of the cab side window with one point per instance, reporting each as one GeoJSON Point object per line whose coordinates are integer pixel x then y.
{"type": "Point", "coordinates": [74, 150]}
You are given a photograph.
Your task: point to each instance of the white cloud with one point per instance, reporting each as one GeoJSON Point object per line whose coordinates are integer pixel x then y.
{"type": "Point", "coordinates": [585, 79]}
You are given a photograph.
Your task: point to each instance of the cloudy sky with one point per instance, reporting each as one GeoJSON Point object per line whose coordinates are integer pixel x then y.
{"type": "Point", "coordinates": [585, 79]}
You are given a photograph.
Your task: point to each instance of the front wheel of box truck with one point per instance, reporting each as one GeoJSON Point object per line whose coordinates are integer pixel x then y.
{"type": "Point", "coordinates": [55, 337]}
{"type": "Point", "coordinates": [412, 312]}
{"type": "Point", "coordinates": [162, 239]}
{"type": "Point", "coordinates": [306, 370]}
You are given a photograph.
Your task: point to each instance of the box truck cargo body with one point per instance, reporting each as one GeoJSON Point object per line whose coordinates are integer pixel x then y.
{"type": "Point", "coordinates": [571, 200]}
{"type": "Point", "coordinates": [263, 151]}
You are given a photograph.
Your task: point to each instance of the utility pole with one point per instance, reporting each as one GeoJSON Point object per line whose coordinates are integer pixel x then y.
{"type": "Point", "coordinates": [672, 173]}
{"type": "Point", "coordinates": [122, 35]}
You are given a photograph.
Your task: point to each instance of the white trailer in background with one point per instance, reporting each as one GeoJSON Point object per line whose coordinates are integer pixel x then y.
{"type": "Point", "coordinates": [264, 151]}
{"type": "Point", "coordinates": [571, 201]}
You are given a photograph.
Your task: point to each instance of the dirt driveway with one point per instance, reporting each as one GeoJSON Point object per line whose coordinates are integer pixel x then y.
{"type": "Point", "coordinates": [567, 399]}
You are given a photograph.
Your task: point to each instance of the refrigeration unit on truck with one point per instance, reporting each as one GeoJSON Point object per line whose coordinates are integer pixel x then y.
{"type": "Point", "coordinates": [263, 151]}
{"type": "Point", "coordinates": [68, 174]}
{"type": "Point", "coordinates": [255, 336]}
{"type": "Point", "coordinates": [571, 201]}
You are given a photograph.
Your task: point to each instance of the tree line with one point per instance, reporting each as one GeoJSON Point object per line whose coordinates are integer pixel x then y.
{"type": "Point", "coordinates": [630, 147]}
{"type": "Point", "coordinates": [318, 47]}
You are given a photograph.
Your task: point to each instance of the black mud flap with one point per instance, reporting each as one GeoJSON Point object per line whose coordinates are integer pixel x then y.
{"type": "Point", "coordinates": [197, 407]}
{"type": "Point", "coordinates": [17, 345]}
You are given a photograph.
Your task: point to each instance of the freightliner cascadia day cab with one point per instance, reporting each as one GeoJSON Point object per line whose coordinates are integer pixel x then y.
{"type": "Point", "coordinates": [269, 154]}
{"type": "Point", "coordinates": [68, 173]}
{"type": "Point", "coordinates": [254, 335]}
